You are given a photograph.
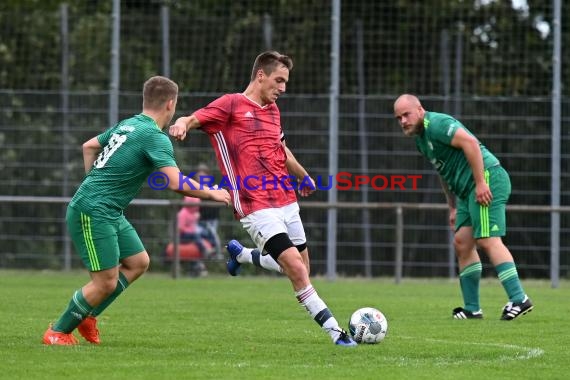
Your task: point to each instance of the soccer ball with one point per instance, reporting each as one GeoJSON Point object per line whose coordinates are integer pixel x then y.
{"type": "Point", "coordinates": [368, 325]}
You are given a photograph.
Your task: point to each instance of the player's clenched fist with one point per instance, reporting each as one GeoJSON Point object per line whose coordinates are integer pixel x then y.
{"type": "Point", "coordinates": [178, 131]}
{"type": "Point", "coordinates": [220, 195]}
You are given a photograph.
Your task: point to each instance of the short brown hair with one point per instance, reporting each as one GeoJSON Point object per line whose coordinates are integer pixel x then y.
{"type": "Point", "coordinates": [157, 91]}
{"type": "Point", "coordinates": [268, 62]}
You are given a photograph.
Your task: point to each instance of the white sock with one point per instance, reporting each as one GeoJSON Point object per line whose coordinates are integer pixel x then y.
{"type": "Point", "coordinates": [319, 311]}
{"type": "Point", "coordinates": [268, 262]}
{"type": "Point", "coordinates": [245, 256]}
{"type": "Point", "coordinates": [252, 256]}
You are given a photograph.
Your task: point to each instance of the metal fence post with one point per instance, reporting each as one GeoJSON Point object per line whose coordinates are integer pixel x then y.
{"type": "Point", "coordinates": [333, 137]}
{"type": "Point", "coordinates": [176, 244]}
{"type": "Point", "coordinates": [399, 260]}
{"type": "Point", "coordinates": [363, 143]}
{"type": "Point", "coordinates": [64, 29]}
{"type": "Point", "coordinates": [267, 31]}
{"type": "Point", "coordinates": [555, 138]}
{"type": "Point", "coordinates": [165, 24]}
{"type": "Point", "coordinates": [115, 63]}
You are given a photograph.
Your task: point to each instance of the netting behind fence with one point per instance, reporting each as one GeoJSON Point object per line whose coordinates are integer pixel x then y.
{"type": "Point", "coordinates": [487, 62]}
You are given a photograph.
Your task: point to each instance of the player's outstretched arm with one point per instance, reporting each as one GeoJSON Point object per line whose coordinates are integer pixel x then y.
{"type": "Point", "coordinates": [91, 149]}
{"type": "Point", "coordinates": [180, 128]}
{"type": "Point", "coordinates": [191, 188]}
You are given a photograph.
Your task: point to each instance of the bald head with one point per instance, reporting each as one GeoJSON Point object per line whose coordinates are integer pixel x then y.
{"type": "Point", "coordinates": [409, 112]}
{"type": "Point", "coordinates": [408, 100]}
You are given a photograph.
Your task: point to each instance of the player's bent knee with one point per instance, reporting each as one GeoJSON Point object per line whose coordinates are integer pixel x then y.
{"type": "Point", "coordinates": [105, 286]}
{"type": "Point", "coordinates": [145, 264]}
{"type": "Point", "coordinates": [137, 264]}
{"type": "Point", "coordinates": [463, 245]}
{"type": "Point", "coordinates": [294, 268]}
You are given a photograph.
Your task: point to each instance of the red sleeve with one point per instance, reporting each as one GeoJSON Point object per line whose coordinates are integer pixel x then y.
{"type": "Point", "coordinates": [215, 115]}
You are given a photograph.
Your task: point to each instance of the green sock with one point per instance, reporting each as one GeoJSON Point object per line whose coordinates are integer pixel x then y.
{"type": "Point", "coordinates": [469, 281]}
{"type": "Point", "coordinates": [509, 278]}
{"type": "Point", "coordinates": [122, 284]}
{"type": "Point", "coordinates": [77, 309]}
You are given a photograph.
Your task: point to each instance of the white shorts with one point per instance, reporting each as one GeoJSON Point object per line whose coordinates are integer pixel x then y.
{"type": "Point", "coordinates": [262, 225]}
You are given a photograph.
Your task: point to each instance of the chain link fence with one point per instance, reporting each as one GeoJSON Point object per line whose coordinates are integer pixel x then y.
{"type": "Point", "coordinates": [489, 63]}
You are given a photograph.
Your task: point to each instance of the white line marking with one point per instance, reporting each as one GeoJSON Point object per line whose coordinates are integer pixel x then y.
{"type": "Point", "coordinates": [521, 352]}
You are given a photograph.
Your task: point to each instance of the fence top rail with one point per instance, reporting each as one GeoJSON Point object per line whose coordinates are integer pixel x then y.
{"type": "Point", "coordinates": [305, 204]}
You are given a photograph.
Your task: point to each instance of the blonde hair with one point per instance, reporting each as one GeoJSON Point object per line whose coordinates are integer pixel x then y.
{"type": "Point", "coordinates": [157, 91]}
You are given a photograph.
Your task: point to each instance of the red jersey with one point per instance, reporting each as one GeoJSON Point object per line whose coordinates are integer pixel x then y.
{"type": "Point", "coordinates": [247, 139]}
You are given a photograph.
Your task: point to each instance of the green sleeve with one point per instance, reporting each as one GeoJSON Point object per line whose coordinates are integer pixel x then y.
{"type": "Point", "coordinates": [104, 137]}
{"type": "Point", "coordinates": [444, 130]}
{"type": "Point", "coordinates": [159, 151]}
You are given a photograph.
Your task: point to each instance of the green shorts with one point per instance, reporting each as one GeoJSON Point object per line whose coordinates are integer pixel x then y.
{"type": "Point", "coordinates": [102, 244]}
{"type": "Point", "coordinates": [487, 221]}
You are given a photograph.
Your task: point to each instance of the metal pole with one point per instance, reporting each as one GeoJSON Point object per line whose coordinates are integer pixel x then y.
{"type": "Point", "coordinates": [165, 22]}
{"type": "Point", "coordinates": [363, 142]}
{"type": "Point", "coordinates": [115, 63]}
{"type": "Point", "coordinates": [457, 114]}
{"type": "Point", "coordinates": [64, 25]}
{"type": "Point", "coordinates": [176, 245]}
{"type": "Point", "coordinates": [445, 67]}
{"type": "Point", "coordinates": [333, 136]}
{"type": "Point", "coordinates": [458, 68]}
{"type": "Point", "coordinates": [267, 31]}
{"type": "Point", "coordinates": [399, 260]}
{"type": "Point", "coordinates": [445, 60]}
{"type": "Point", "coordinates": [555, 163]}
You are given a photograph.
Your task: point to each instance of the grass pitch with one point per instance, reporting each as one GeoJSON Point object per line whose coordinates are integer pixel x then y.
{"type": "Point", "coordinates": [253, 328]}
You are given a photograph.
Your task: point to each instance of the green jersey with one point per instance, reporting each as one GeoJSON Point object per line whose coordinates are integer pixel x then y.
{"type": "Point", "coordinates": [132, 150]}
{"type": "Point", "coordinates": [450, 162]}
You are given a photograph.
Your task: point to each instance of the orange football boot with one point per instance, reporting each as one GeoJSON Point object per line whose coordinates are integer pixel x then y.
{"type": "Point", "coordinates": [58, 338]}
{"type": "Point", "coordinates": [88, 329]}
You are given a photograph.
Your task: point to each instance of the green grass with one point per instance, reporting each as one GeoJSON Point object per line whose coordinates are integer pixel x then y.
{"type": "Point", "coordinates": [253, 328]}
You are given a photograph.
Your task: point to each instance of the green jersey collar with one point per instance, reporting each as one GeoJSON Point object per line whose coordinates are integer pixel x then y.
{"type": "Point", "coordinates": [151, 119]}
{"type": "Point", "coordinates": [426, 120]}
